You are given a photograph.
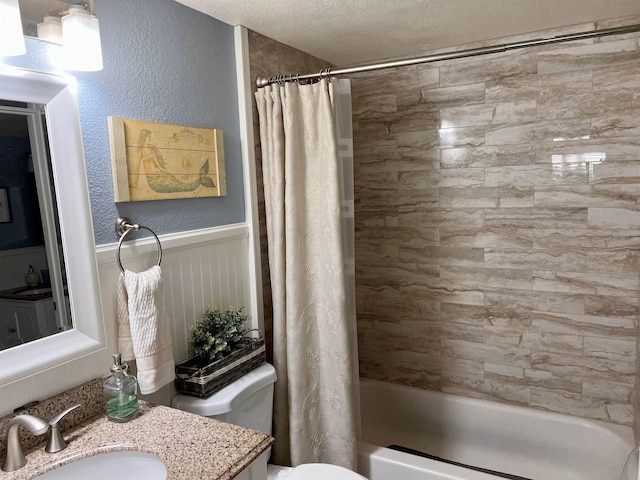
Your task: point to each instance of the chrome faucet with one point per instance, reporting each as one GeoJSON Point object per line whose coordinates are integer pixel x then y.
{"type": "Point", "coordinates": [15, 457]}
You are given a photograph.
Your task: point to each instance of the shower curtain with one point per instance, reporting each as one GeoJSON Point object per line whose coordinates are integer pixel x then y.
{"type": "Point", "coordinates": [307, 155]}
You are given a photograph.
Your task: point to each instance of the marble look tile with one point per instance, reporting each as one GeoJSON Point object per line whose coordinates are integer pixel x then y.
{"type": "Point", "coordinates": [536, 300]}
{"type": "Point", "coordinates": [478, 277]}
{"type": "Point", "coordinates": [521, 89]}
{"type": "Point", "coordinates": [536, 217]}
{"type": "Point", "coordinates": [457, 95]}
{"type": "Point", "coordinates": [588, 283]}
{"type": "Point", "coordinates": [553, 342]}
{"type": "Point", "coordinates": [561, 130]}
{"type": "Point", "coordinates": [623, 349]}
{"type": "Point", "coordinates": [583, 324]}
{"type": "Point", "coordinates": [616, 173]}
{"type": "Point", "coordinates": [581, 196]}
{"type": "Point", "coordinates": [463, 331]}
{"type": "Point", "coordinates": [467, 116]}
{"type": "Point", "coordinates": [488, 237]}
{"type": "Point", "coordinates": [585, 57]}
{"type": "Point", "coordinates": [398, 275]}
{"type": "Point", "coordinates": [556, 260]}
{"type": "Point", "coordinates": [446, 218]}
{"type": "Point", "coordinates": [485, 197]}
{"type": "Point", "coordinates": [487, 156]}
{"type": "Point", "coordinates": [575, 404]}
{"type": "Point", "coordinates": [515, 112]}
{"type": "Point", "coordinates": [392, 302]}
{"type": "Point", "coordinates": [617, 124]}
{"type": "Point", "coordinates": [550, 380]}
{"type": "Point", "coordinates": [376, 181]}
{"type": "Point", "coordinates": [503, 372]}
{"type": "Point", "coordinates": [491, 68]}
{"type": "Point", "coordinates": [487, 389]}
{"type": "Point", "coordinates": [610, 306]}
{"type": "Point", "coordinates": [623, 77]}
{"type": "Point", "coordinates": [492, 318]}
{"type": "Point", "coordinates": [593, 239]}
{"type": "Point", "coordinates": [623, 218]}
{"type": "Point", "coordinates": [461, 137]}
{"type": "Point", "coordinates": [374, 106]}
{"type": "Point", "coordinates": [510, 134]}
{"type": "Point", "coordinates": [481, 352]}
{"type": "Point", "coordinates": [458, 178]}
{"type": "Point", "coordinates": [414, 118]}
{"type": "Point", "coordinates": [441, 255]}
{"type": "Point", "coordinates": [607, 390]}
{"type": "Point", "coordinates": [625, 261]}
{"type": "Point", "coordinates": [417, 148]}
{"type": "Point", "coordinates": [592, 367]}
{"type": "Point", "coordinates": [566, 106]}
{"type": "Point", "coordinates": [595, 150]}
{"type": "Point", "coordinates": [535, 175]}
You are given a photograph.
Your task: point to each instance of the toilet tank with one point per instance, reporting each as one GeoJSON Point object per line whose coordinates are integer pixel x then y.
{"type": "Point", "coordinates": [248, 401]}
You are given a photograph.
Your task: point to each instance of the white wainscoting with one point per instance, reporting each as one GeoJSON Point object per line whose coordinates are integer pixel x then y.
{"type": "Point", "coordinates": [200, 268]}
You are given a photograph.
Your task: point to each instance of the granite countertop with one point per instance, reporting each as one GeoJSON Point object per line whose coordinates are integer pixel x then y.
{"type": "Point", "coordinates": [191, 446]}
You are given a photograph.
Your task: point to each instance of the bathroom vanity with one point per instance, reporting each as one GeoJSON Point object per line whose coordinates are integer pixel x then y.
{"type": "Point", "coordinates": [190, 446]}
{"type": "Point", "coordinates": [24, 317]}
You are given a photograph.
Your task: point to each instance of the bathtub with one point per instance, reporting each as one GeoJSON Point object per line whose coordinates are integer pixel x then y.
{"type": "Point", "coordinates": [521, 442]}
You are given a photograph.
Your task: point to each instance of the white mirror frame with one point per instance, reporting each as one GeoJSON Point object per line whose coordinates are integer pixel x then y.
{"type": "Point", "coordinates": [58, 96]}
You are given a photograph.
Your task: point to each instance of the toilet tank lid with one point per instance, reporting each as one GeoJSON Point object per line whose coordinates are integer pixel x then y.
{"type": "Point", "coordinates": [227, 398]}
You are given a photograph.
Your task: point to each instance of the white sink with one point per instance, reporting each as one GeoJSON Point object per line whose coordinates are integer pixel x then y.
{"type": "Point", "coordinates": [127, 465]}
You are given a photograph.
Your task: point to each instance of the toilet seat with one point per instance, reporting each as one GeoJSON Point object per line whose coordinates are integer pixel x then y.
{"type": "Point", "coordinates": [322, 471]}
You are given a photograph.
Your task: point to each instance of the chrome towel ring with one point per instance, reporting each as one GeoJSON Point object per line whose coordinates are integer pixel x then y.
{"type": "Point", "coordinates": [124, 226]}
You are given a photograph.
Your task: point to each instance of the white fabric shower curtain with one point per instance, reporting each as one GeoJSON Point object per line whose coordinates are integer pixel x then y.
{"type": "Point", "coordinates": [305, 132]}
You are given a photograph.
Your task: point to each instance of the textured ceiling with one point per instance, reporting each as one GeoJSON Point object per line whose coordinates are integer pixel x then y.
{"type": "Point", "coordinates": [350, 32]}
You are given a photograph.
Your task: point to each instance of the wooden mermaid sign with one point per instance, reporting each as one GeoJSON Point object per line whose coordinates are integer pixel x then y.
{"type": "Point", "coordinates": [156, 161]}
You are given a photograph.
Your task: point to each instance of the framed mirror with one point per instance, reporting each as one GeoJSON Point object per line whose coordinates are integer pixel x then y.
{"type": "Point", "coordinates": [73, 227]}
{"type": "Point", "coordinates": [33, 300]}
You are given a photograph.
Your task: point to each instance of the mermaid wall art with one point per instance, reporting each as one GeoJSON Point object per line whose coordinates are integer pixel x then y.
{"type": "Point", "coordinates": [155, 161]}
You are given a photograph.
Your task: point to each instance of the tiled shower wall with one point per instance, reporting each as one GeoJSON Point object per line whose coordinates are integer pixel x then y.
{"type": "Point", "coordinates": [497, 254]}
{"type": "Point", "coordinates": [498, 225]}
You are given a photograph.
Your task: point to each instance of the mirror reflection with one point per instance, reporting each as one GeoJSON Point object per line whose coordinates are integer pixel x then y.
{"type": "Point", "coordinates": [34, 302]}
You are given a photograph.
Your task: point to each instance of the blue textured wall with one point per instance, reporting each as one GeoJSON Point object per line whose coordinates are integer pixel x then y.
{"type": "Point", "coordinates": [163, 62]}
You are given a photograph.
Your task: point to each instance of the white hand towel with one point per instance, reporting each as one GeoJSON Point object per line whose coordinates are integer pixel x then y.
{"type": "Point", "coordinates": [144, 333]}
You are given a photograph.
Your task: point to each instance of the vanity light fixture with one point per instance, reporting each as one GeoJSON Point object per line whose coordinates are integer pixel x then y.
{"type": "Point", "coordinates": [76, 28]}
{"type": "Point", "coordinates": [11, 36]}
{"type": "Point", "coordinates": [51, 29]}
{"type": "Point", "coordinates": [81, 40]}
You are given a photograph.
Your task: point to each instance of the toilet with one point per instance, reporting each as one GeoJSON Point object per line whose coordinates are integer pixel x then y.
{"type": "Point", "coordinates": [248, 402]}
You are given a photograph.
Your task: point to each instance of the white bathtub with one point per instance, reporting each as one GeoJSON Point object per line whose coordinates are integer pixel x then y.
{"type": "Point", "coordinates": [518, 441]}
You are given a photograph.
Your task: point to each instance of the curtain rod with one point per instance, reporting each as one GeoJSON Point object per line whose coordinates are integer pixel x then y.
{"type": "Point", "coordinates": [328, 72]}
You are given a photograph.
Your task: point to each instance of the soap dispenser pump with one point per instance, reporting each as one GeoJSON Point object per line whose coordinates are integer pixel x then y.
{"type": "Point", "coordinates": [121, 392]}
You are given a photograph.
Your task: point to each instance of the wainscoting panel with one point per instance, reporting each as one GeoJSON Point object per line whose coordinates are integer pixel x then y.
{"type": "Point", "coordinates": [200, 269]}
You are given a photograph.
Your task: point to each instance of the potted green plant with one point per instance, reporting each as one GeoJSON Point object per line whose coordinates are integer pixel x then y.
{"type": "Point", "coordinates": [217, 333]}
{"type": "Point", "coordinates": [222, 352]}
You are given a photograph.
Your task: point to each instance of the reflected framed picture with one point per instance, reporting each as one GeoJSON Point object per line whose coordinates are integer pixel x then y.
{"type": "Point", "coordinates": [5, 206]}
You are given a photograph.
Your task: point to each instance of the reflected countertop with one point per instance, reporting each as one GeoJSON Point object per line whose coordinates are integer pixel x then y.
{"type": "Point", "coordinates": [27, 294]}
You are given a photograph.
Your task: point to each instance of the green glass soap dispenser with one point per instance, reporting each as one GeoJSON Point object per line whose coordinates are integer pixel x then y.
{"type": "Point", "coordinates": [121, 392]}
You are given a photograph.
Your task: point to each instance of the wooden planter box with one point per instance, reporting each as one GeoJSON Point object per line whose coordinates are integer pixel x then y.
{"type": "Point", "coordinates": [194, 378]}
